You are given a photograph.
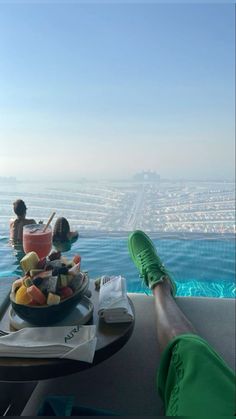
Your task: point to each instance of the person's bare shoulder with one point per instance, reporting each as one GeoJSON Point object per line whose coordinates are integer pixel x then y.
{"type": "Point", "coordinates": [11, 223]}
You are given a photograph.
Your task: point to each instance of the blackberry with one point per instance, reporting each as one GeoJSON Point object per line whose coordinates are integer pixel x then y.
{"type": "Point", "coordinates": [55, 272]}
{"type": "Point", "coordinates": [63, 270]}
{"type": "Point", "coordinates": [37, 281]}
{"type": "Point", "coordinates": [54, 255]}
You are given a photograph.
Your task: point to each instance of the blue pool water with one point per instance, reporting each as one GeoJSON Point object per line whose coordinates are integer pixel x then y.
{"type": "Point", "coordinates": [201, 266]}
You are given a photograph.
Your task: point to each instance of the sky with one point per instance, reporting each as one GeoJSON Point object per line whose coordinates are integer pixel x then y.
{"type": "Point", "coordinates": [105, 90]}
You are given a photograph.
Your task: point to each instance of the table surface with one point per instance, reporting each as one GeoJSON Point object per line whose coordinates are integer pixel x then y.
{"type": "Point", "coordinates": [110, 339]}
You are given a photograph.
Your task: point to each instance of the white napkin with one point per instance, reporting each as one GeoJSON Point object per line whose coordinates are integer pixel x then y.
{"type": "Point", "coordinates": [114, 306]}
{"type": "Point", "coordinates": [73, 342]}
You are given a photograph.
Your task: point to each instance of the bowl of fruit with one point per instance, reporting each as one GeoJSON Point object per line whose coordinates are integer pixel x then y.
{"type": "Point", "coordinates": [50, 288]}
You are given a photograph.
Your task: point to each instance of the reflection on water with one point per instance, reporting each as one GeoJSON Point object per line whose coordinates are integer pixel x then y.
{"type": "Point", "coordinates": [62, 246]}
{"type": "Point", "coordinates": [19, 253]}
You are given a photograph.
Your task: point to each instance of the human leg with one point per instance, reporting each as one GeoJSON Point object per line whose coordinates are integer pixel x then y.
{"type": "Point", "coordinates": [192, 378]}
{"type": "Point", "coordinates": [171, 321]}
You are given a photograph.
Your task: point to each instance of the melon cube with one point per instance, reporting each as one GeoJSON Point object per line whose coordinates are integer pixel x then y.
{"type": "Point", "coordinates": [29, 261]}
{"type": "Point", "coordinates": [53, 299]}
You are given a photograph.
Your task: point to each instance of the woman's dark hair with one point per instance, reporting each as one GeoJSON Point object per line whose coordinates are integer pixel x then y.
{"type": "Point", "coordinates": [19, 207]}
{"type": "Point", "coordinates": [61, 229]}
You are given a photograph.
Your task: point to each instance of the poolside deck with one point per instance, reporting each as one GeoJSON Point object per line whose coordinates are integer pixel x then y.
{"type": "Point", "coordinates": [126, 382]}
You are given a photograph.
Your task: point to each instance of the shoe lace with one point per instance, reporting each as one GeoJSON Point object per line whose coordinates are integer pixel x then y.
{"type": "Point", "coordinates": [150, 262]}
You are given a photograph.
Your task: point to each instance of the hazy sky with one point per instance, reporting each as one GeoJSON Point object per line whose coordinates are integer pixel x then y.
{"type": "Point", "coordinates": [106, 90]}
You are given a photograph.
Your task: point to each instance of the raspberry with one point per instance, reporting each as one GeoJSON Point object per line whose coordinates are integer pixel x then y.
{"type": "Point", "coordinates": [76, 259]}
{"type": "Point", "coordinates": [54, 256]}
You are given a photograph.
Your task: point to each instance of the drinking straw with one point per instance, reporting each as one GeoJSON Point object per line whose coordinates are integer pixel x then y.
{"type": "Point", "coordinates": [50, 219]}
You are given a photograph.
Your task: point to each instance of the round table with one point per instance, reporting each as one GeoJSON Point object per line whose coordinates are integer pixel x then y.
{"type": "Point", "coordinates": [110, 339]}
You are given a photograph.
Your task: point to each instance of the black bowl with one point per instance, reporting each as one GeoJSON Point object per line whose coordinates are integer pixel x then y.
{"type": "Point", "coordinates": [47, 315]}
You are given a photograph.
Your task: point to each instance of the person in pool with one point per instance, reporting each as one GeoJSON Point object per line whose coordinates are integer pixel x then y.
{"type": "Point", "coordinates": [62, 236]}
{"type": "Point", "coordinates": [17, 224]}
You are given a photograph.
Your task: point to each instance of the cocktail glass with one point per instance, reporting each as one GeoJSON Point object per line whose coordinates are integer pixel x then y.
{"type": "Point", "coordinates": [35, 239]}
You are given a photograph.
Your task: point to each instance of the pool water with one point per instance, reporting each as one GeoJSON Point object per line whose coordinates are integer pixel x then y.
{"type": "Point", "coordinates": [202, 266]}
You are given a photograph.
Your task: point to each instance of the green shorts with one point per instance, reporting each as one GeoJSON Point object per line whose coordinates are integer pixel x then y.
{"type": "Point", "coordinates": [194, 380]}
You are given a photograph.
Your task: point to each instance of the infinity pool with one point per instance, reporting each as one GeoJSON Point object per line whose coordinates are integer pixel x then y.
{"type": "Point", "coordinates": [201, 265]}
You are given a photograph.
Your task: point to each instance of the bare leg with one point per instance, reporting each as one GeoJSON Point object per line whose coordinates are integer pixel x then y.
{"type": "Point", "coordinates": [171, 321]}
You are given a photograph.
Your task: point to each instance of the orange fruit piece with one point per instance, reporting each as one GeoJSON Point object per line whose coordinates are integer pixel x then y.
{"type": "Point", "coordinates": [22, 296]}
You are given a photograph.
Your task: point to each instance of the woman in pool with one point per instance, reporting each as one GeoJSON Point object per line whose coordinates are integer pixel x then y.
{"type": "Point", "coordinates": [62, 236]}
{"type": "Point", "coordinates": [16, 225]}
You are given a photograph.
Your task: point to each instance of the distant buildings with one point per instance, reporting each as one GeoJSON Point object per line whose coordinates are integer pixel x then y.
{"type": "Point", "coordinates": [145, 204]}
{"type": "Point", "coordinates": [148, 176]}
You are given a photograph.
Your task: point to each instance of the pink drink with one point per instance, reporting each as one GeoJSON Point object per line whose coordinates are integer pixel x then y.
{"type": "Point", "coordinates": [35, 240]}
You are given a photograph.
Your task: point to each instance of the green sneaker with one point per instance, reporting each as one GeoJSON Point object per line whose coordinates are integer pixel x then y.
{"type": "Point", "coordinates": [145, 258]}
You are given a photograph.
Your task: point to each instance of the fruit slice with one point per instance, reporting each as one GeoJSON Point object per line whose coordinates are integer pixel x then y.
{"type": "Point", "coordinates": [33, 303]}
{"type": "Point", "coordinates": [77, 281]}
{"type": "Point", "coordinates": [16, 284]}
{"type": "Point", "coordinates": [63, 282]}
{"type": "Point", "coordinates": [36, 295]}
{"type": "Point", "coordinates": [77, 259]}
{"type": "Point", "coordinates": [75, 270]}
{"type": "Point", "coordinates": [22, 296]}
{"type": "Point", "coordinates": [53, 299]}
{"type": "Point", "coordinates": [27, 281]}
{"type": "Point", "coordinates": [66, 292]}
{"type": "Point", "coordinates": [42, 263]}
{"type": "Point", "coordinates": [44, 274]}
{"type": "Point", "coordinates": [29, 261]}
{"type": "Point", "coordinates": [34, 272]}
